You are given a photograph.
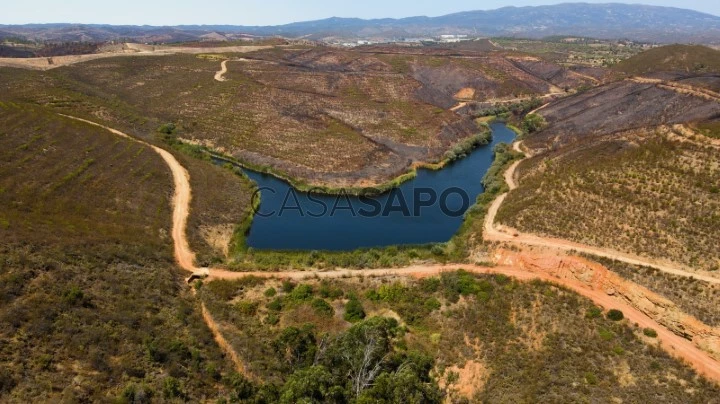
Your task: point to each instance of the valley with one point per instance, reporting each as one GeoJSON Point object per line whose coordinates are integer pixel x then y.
{"type": "Point", "coordinates": [139, 262]}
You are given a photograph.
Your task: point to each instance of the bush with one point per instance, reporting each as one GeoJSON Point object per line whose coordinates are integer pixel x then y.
{"type": "Point", "coordinates": [392, 293]}
{"type": "Point", "coordinates": [246, 308]}
{"type": "Point", "coordinates": [649, 332]}
{"type": "Point", "coordinates": [270, 292]}
{"type": "Point", "coordinates": [432, 304]}
{"type": "Point", "coordinates": [301, 293]}
{"type": "Point", "coordinates": [167, 129]}
{"type": "Point", "coordinates": [275, 305]}
{"type": "Point", "coordinates": [615, 315]}
{"type": "Point", "coordinates": [272, 319]}
{"type": "Point", "coordinates": [172, 388]}
{"type": "Point", "coordinates": [322, 308]}
{"type": "Point", "coordinates": [606, 335]}
{"type": "Point", "coordinates": [590, 378]}
{"type": "Point", "coordinates": [372, 295]}
{"type": "Point", "coordinates": [354, 311]}
{"type": "Point", "coordinates": [533, 123]}
{"type": "Point", "coordinates": [593, 312]}
{"type": "Point", "coordinates": [329, 292]}
{"type": "Point", "coordinates": [287, 286]}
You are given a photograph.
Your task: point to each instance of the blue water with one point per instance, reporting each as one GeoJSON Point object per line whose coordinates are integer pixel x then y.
{"type": "Point", "coordinates": [292, 220]}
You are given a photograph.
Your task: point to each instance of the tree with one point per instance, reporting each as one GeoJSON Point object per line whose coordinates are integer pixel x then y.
{"type": "Point", "coordinates": [362, 350]}
{"type": "Point", "coordinates": [615, 315]}
{"type": "Point", "coordinates": [354, 311]}
{"type": "Point", "coordinates": [297, 346]}
{"type": "Point", "coordinates": [533, 123]}
{"type": "Point", "coordinates": [314, 384]}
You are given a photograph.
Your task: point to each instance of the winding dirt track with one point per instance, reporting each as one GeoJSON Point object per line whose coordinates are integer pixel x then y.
{"type": "Point", "coordinates": [675, 345]}
{"type": "Point", "coordinates": [491, 232]}
{"type": "Point", "coordinates": [219, 76]}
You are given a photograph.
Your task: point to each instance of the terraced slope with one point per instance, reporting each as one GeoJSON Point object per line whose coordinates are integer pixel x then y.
{"type": "Point", "coordinates": [619, 107]}
{"type": "Point", "coordinates": [652, 192]}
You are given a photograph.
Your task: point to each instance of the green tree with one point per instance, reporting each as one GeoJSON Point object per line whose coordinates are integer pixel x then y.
{"type": "Point", "coordinates": [297, 346]}
{"type": "Point", "coordinates": [311, 385]}
{"type": "Point", "coordinates": [354, 311]}
{"type": "Point", "coordinates": [615, 315]}
{"type": "Point", "coordinates": [533, 123]}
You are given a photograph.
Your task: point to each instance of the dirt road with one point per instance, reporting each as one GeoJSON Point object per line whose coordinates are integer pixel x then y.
{"type": "Point", "coordinates": [223, 69]}
{"type": "Point", "coordinates": [675, 345]}
{"type": "Point", "coordinates": [181, 198]}
{"type": "Point", "coordinates": [680, 88]}
{"type": "Point", "coordinates": [129, 49]}
{"type": "Point", "coordinates": [491, 232]}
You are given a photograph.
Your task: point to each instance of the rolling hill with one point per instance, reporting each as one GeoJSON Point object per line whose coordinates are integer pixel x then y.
{"type": "Point", "coordinates": [611, 21]}
{"type": "Point", "coordinates": [673, 58]}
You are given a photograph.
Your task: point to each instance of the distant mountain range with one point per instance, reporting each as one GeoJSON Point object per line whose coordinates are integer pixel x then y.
{"type": "Point", "coordinates": [607, 21]}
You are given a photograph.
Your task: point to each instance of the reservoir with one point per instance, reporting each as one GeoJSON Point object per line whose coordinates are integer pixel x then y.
{"type": "Point", "coordinates": [293, 220]}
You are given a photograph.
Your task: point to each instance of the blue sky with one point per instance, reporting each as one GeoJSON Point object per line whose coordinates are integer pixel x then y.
{"type": "Point", "coordinates": [269, 12]}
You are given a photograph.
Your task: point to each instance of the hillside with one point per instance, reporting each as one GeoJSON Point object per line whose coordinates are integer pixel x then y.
{"type": "Point", "coordinates": [624, 105]}
{"type": "Point", "coordinates": [673, 58]}
{"type": "Point", "coordinates": [92, 305]}
{"type": "Point", "coordinates": [609, 21]}
{"type": "Point", "coordinates": [473, 338]}
{"type": "Point", "coordinates": [333, 117]}
{"type": "Point", "coordinates": [619, 166]}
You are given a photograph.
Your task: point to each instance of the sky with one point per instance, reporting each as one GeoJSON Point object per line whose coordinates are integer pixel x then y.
{"type": "Point", "coordinates": [269, 12]}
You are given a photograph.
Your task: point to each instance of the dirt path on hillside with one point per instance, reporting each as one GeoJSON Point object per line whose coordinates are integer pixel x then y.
{"type": "Point", "coordinates": [680, 88]}
{"type": "Point", "coordinates": [180, 201]}
{"type": "Point", "coordinates": [223, 69]}
{"type": "Point", "coordinates": [491, 232]}
{"type": "Point", "coordinates": [677, 346]}
{"type": "Point", "coordinates": [129, 49]}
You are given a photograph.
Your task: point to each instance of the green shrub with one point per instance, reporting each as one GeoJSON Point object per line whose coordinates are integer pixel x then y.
{"type": "Point", "coordinates": [301, 293]}
{"type": "Point", "coordinates": [392, 293]}
{"type": "Point", "coordinates": [649, 332]}
{"type": "Point", "coordinates": [593, 312]}
{"type": "Point", "coordinates": [533, 123]}
{"type": "Point", "coordinates": [605, 334]}
{"type": "Point", "coordinates": [167, 129]}
{"type": "Point", "coordinates": [373, 295]}
{"type": "Point", "coordinates": [432, 304]}
{"type": "Point", "coordinates": [74, 296]}
{"type": "Point", "coordinates": [275, 305]}
{"type": "Point", "coordinates": [241, 387]}
{"type": "Point", "coordinates": [270, 292]}
{"type": "Point", "coordinates": [172, 388]}
{"type": "Point", "coordinates": [322, 308]}
{"type": "Point", "coordinates": [354, 311]}
{"type": "Point", "coordinates": [430, 285]}
{"type": "Point", "coordinates": [590, 378]}
{"type": "Point", "coordinates": [272, 319]}
{"type": "Point", "coordinates": [327, 291]}
{"type": "Point", "coordinates": [615, 315]}
{"type": "Point", "coordinates": [246, 308]}
{"type": "Point", "coordinates": [288, 286]}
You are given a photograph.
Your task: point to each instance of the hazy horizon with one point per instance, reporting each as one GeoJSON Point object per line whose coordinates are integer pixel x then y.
{"type": "Point", "coordinates": [227, 12]}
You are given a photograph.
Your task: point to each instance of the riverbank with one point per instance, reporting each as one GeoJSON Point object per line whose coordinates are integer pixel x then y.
{"type": "Point", "coordinates": [460, 150]}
